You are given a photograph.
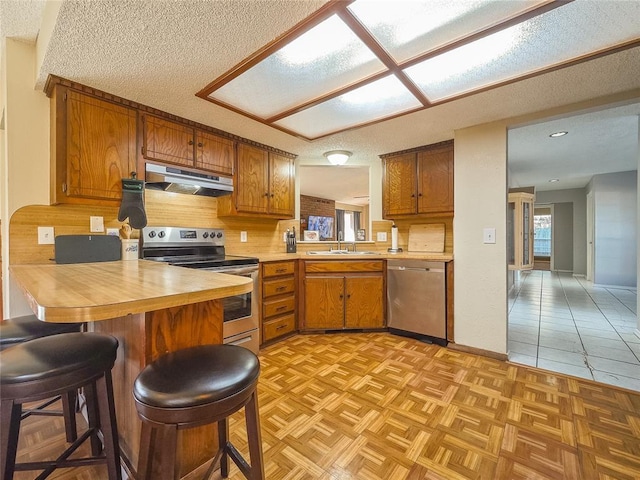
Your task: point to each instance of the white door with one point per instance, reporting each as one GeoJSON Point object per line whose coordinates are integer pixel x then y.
{"type": "Point", "coordinates": [590, 236]}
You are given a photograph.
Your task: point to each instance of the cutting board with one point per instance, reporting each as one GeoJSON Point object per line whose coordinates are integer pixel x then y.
{"type": "Point", "coordinates": [426, 238]}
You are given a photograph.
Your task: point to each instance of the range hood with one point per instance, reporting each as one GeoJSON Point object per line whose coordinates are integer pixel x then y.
{"type": "Point", "coordinates": [172, 179]}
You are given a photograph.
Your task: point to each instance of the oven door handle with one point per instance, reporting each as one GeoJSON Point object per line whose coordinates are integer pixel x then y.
{"type": "Point", "coordinates": [239, 271]}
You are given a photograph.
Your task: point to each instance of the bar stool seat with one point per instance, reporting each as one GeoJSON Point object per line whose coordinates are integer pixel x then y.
{"type": "Point", "coordinates": [56, 365]}
{"type": "Point", "coordinates": [14, 331]}
{"type": "Point", "coordinates": [192, 387]}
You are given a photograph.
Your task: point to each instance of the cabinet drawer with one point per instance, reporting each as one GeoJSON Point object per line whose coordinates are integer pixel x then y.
{"type": "Point", "coordinates": [275, 269]}
{"type": "Point", "coordinates": [278, 307]}
{"type": "Point", "coordinates": [279, 327]}
{"type": "Point", "coordinates": [278, 287]}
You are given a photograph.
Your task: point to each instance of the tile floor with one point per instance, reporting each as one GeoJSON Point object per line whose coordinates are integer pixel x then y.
{"type": "Point", "coordinates": [564, 324]}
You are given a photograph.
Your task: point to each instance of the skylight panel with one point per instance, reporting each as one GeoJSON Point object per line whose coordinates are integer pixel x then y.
{"type": "Point", "coordinates": [408, 29]}
{"type": "Point", "coordinates": [380, 99]}
{"type": "Point", "coordinates": [558, 36]}
{"type": "Point", "coordinates": [322, 60]}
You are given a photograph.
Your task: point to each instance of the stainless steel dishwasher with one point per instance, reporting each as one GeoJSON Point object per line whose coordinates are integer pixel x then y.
{"type": "Point", "coordinates": [416, 299]}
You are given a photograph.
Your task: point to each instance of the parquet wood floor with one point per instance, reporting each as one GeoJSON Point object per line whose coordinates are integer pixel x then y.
{"type": "Point", "coordinates": [377, 406]}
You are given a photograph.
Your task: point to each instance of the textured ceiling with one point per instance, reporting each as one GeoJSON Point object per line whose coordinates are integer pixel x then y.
{"type": "Point", "coordinates": [160, 53]}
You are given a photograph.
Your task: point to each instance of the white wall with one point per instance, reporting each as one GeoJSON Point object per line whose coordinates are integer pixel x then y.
{"type": "Point", "coordinates": [480, 270]}
{"type": "Point", "coordinates": [578, 197]}
{"type": "Point", "coordinates": [615, 242]}
{"type": "Point", "coordinates": [26, 151]}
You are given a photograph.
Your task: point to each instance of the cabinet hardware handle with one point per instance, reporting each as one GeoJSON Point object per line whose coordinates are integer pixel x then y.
{"type": "Point", "coordinates": [200, 144]}
{"type": "Point", "coordinates": [272, 195]}
{"type": "Point", "coordinates": [413, 195]}
{"type": "Point", "coordinates": [349, 296]}
{"type": "Point", "coordinates": [420, 194]}
{"type": "Point", "coordinates": [266, 194]}
{"type": "Point", "coordinates": [190, 142]}
{"type": "Point", "coordinates": [281, 270]}
{"type": "Point", "coordinates": [280, 308]}
{"type": "Point", "coordinates": [281, 327]}
{"type": "Point", "coordinates": [279, 289]}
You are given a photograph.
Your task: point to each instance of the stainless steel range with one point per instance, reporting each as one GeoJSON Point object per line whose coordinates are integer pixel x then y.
{"type": "Point", "coordinates": [204, 248]}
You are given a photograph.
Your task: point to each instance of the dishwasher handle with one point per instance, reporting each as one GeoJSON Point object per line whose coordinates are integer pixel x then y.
{"type": "Point", "coordinates": [416, 269]}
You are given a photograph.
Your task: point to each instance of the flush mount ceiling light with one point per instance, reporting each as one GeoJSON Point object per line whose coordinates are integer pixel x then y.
{"type": "Point", "coordinates": [558, 134]}
{"type": "Point", "coordinates": [357, 62]}
{"type": "Point", "coordinates": [554, 180]}
{"type": "Point", "coordinates": [338, 157]}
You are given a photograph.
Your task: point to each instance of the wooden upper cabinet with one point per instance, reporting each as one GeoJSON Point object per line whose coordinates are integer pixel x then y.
{"type": "Point", "coordinates": [214, 153]}
{"type": "Point", "coordinates": [168, 142]}
{"type": "Point", "coordinates": [252, 180]}
{"type": "Point", "coordinates": [435, 180]}
{"type": "Point", "coordinates": [93, 147]}
{"type": "Point", "coordinates": [281, 185]}
{"type": "Point", "coordinates": [178, 144]}
{"type": "Point", "coordinates": [419, 182]}
{"type": "Point", "coordinates": [264, 185]}
{"type": "Point", "coordinates": [400, 185]}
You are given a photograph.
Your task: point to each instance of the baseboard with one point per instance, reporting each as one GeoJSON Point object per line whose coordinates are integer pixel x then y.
{"type": "Point", "coordinates": [637, 333]}
{"type": "Point", "coordinates": [581, 275]}
{"type": "Point", "coordinates": [478, 351]}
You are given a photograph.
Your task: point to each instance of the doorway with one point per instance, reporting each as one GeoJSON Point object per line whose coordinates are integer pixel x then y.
{"type": "Point", "coordinates": [542, 237]}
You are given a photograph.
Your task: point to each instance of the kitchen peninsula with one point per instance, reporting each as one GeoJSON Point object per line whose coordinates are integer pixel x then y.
{"type": "Point", "coordinates": [152, 308]}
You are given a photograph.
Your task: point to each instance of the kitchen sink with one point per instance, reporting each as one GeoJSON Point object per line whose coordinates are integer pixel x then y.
{"type": "Point", "coordinates": [340, 252]}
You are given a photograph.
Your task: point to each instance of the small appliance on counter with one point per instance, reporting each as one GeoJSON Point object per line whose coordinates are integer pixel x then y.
{"type": "Point", "coordinates": [291, 241]}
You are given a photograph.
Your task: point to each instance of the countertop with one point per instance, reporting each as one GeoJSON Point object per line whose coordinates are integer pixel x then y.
{"type": "Point", "coordinates": [84, 292]}
{"type": "Point", "coordinates": [274, 257]}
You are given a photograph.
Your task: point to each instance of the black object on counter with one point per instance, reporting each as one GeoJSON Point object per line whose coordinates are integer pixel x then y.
{"type": "Point", "coordinates": [87, 248]}
{"type": "Point", "coordinates": [291, 241]}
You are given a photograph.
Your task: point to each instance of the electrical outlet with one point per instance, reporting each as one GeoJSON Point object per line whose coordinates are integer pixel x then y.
{"type": "Point", "coordinates": [243, 236]}
{"type": "Point", "coordinates": [45, 236]}
{"type": "Point", "coordinates": [284, 237]}
{"type": "Point", "coordinates": [382, 236]}
{"type": "Point", "coordinates": [113, 231]}
{"type": "Point", "coordinates": [96, 224]}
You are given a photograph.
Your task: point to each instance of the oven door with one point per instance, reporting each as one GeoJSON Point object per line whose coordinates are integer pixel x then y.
{"type": "Point", "coordinates": [241, 318]}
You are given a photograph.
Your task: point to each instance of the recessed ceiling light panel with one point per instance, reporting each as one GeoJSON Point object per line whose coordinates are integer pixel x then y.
{"type": "Point", "coordinates": [322, 60]}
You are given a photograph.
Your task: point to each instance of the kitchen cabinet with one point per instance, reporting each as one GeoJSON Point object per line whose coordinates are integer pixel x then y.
{"type": "Point", "coordinates": [520, 230]}
{"type": "Point", "coordinates": [93, 147]}
{"type": "Point", "coordinates": [278, 300]}
{"type": "Point", "coordinates": [418, 182]}
{"type": "Point", "coordinates": [179, 144]}
{"type": "Point", "coordinates": [264, 185]}
{"type": "Point", "coordinates": [343, 295]}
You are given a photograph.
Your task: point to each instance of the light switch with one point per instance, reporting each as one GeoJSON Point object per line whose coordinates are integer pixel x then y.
{"type": "Point", "coordinates": [243, 236]}
{"type": "Point", "coordinates": [489, 235]}
{"type": "Point", "coordinates": [382, 236]}
{"type": "Point", "coordinates": [96, 224]}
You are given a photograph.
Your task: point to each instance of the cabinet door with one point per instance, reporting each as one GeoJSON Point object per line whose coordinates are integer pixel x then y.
{"type": "Point", "coordinates": [214, 153]}
{"type": "Point", "coordinates": [399, 192]}
{"type": "Point", "coordinates": [101, 147]}
{"type": "Point", "coordinates": [364, 304]}
{"type": "Point", "coordinates": [281, 185]}
{"type": "Point", "coordinates": [435, 180]}
{"type": "Point", "coordinates": [252, 177]}
{"type": "Point", "coordinates": [323, 302]}
{"type": "Point", "coordinates": [167, 141]}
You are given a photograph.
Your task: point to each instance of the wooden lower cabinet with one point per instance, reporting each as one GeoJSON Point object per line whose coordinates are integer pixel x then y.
{"type": "Point", "coordinates": [278, 299]}
{"type": "Point", "coordinates": [343, 295]}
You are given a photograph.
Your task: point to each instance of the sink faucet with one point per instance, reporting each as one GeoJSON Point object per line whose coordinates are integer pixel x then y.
{"type": "Point", "coordinates": [339, 239]}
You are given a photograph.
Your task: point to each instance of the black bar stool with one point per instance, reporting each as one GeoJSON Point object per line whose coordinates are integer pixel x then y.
{"type": "Point", "coordinates": [14, 331]}
{"type": "Point", "coordinates": [57, 365]}
{"type": "Point", "coordinates": [192, 387]}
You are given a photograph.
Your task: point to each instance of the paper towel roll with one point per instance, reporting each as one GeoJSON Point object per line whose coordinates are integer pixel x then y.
{"type": "Point", "coordinates": [394, 237]}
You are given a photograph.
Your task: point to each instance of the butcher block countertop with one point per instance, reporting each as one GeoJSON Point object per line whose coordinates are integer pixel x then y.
{"type": "Point", "coordinates": [84, 292]}
{"type": "Point", "coordinates": [274, 257]}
